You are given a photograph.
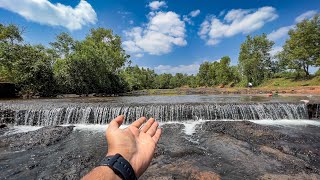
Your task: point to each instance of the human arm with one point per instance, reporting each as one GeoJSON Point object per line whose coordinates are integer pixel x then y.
{"type": "Point", "coordinates": [135, 144]}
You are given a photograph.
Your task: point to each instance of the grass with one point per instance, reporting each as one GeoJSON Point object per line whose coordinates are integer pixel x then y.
{"type": "Point", "coordinates": [286, 82]}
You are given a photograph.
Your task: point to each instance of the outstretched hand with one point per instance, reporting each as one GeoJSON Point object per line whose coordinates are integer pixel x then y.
{"type": "Point", "coordinates": [135, 144]}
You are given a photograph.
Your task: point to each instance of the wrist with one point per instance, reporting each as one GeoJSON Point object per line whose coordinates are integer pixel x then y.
{"type": "Point", "coordinates": [121, 166]}
{"type": "Point", "coordinates": [101, 172]}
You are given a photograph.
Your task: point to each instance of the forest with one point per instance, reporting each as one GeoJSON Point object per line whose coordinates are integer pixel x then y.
{"type": "Point", "coordinates": [99, 64]}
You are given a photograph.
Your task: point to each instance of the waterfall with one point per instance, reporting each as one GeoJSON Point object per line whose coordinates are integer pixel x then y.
{"type": "Point", "coordinates": [46, 115]}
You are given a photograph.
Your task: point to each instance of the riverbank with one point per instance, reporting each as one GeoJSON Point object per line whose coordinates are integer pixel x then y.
{"type": "Point", "coordinates": [292, 91]}
{"type": "Point", "coordinates": [214, 150]}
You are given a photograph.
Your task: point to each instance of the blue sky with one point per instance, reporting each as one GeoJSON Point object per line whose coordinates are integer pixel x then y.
{"type": "Point", "coordinates": [168, 36]}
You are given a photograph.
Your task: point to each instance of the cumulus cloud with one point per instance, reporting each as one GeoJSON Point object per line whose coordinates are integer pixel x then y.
{"type": "Point", "coordinates": [163, 31]}
{"type": "Point", "coordinates": [192, 14]}
{"type": "Point", "coordinates": [279, 33]}
{"type": "Point", "coordinates": [185, 69]}
{"type": "Point", "coordinates": [306, 15]}
{"type": "Point", "coordinates": [236, 21]}
{"type": "Point", "coordinates": [155, 5]}
{"type": "Point", "coordinates": [276, 50]}
{"type": "Point", "coordinates": [139, 55]}
{"type": "Point", "coordinates": [283, 31]}
{"type": "Point", "coordinates": [44, 12]}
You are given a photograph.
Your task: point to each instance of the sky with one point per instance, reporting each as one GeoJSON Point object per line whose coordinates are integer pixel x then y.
{"type": "Point", "coordinates": [168, 36]}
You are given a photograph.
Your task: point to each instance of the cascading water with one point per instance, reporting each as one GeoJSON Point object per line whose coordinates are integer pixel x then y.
{"type": "Point", "coordinates": [91, 113]}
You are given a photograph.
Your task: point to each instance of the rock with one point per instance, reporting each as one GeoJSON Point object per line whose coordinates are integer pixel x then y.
{"type": "Point", "coordinates": [3, 129]}
{"type": "Point", "coordinates": [42, 137]}
{"type": "Point", "coordinates": [217, 150]}
{"type": "Point", "coordinates": [290, 177]}
{"type": "Point", "coordinates": [179, 170]}
{"type": "Point", "coordinates": [3, 126]}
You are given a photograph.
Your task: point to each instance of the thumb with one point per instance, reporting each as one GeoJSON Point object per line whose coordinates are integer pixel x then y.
{"type": "Point", "coordinates": [116, 123]}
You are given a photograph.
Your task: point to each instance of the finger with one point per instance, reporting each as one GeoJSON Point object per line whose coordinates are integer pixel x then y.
{"type": "Point", "coordinates": [152, 130]}
{"type": "Point", "coordinates": [147, 125]}
{"type": "Point", "coordinates": [116, 123]}
{"type": "Point", "coordinates": [156, 137]}
{"type": "Point", "coordinates": [139, 122]}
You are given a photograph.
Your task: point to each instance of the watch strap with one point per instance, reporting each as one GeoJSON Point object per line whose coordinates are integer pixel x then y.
{"type": "Point", "coordinates": [120, 166]}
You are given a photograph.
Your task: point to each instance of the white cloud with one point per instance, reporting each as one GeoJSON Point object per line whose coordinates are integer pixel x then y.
{"type": "Point", "coordinates": [131, 22]}
{"type": "Point", "coordinates": [194, 13]}
{"type": "Point", "coordinates": [155, 5]}
{"type": "Point", "coordinates": [279, 33]}
{"type": "Point", "coordinates": [163, 31]}
{"type": "Point", "coordinates": [306, 15]}
{"type": "Point", "coordinates": [185, 69]}
{"type": "Point", "coordinates": [139, 55]}
{"type": "Point", "coordinates": [283, 31]}
{"type": "Point", "coordinates": [44, 12]}
{"type": "Point", "coordinates": [236, 21]}
{"type": "Point", "coordinates": [276, 50]}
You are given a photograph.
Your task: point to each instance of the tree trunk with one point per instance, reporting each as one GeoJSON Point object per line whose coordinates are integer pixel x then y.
{"type": "Point", "coordinates": [306, 69]}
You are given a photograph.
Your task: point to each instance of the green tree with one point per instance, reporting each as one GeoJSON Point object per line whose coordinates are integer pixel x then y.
{"type": "Point", "coordinates": [223, 71]}
{"type": "Point", "coordinates": [162, 81]}
{"type": "Point", "coordinates": [138, 78]}
{"type": "Point", "coordinates": [10, 47]}
{"type": "Point", "coordinates": [93, 64]}
{"type": "Point", "coordinates": [302, 49]}
{"type": "Point", "coordinates": [33, 72]}
{"type": "Point", "coordinates": [203, 75]}
{"type": "Point", "coordinates": [255, 59]}
{"type": "Point", "coordinates": [64, 45]}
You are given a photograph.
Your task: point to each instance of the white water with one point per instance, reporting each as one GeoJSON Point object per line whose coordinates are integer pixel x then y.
{"type": "Point", "coordinates": [101, 114]}
{"type": "Point", "coordinates": [189, 126]}
{"type": "Point", "coordinates": [288, 122]}
{"type": "Point", "coordinates": [21, 129]}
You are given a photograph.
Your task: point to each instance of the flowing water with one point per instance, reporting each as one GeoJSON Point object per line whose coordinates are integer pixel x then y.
{"type": "Point", "coordinates": [48, 112]}
{"type": "Point", "coordinates": [233, 137]}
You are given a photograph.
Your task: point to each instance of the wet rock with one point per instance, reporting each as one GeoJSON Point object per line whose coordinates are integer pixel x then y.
{"type": "Point", "coordinates": [290, 177]}
{"type": "Point", "coordinates": [42, 137]}
{"type": "Point", "coordinates": [179, 170]}
{"type": "Point", "coordinates": [3, 129]}
{"type": "Point", "coordinates": [245, 131]}
{"type": "Point", "coordinates": [226, 150]}
{"type": "Point", "coordinates": [314, 111]}
{"type": "Point", "coordinates": [2, 126]}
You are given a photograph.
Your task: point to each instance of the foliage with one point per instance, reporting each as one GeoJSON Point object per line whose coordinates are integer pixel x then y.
{"type": "Point", "coordinates": [91, 65]}
{"type": "Point", "coordinates": [138, 78]}
{"type": "Point", "coordinates": [255, 60]}
{"type": "Point", "coordinates": [217, 73]}
{"type": "Point", "coordinates": [27, 66]}
{"type": "Point", "coordinates": [302, 49]}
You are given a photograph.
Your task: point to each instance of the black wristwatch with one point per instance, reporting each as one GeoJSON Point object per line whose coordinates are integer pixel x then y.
{"type": "Point", "coordinates": [120, 166]}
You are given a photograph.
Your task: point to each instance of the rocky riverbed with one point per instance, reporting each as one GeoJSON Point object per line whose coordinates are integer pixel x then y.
{"type": "Point", "coordinates": [216, 150]}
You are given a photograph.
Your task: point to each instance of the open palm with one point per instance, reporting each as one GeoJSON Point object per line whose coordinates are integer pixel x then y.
{"type": "Point", "coordinates": [135, 144]}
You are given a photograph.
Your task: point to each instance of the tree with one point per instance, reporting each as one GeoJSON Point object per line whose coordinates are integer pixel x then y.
{"type": "Point", "coordinates": [10, 34]}
{"type": "Point", "coordinates": [255, 59]}
{"type": "Point", "coordinates": [223, 71]}
{"type": "Point", "coordinates": [138, 78]}
{"type": "Point", "coordinates": [33, 72]}
{"type": "Point", "coordinates": [203, 75]}
{"type": "Point", "coordinates": [64, 45]}
{"type": "Point", "coordinates": [302, 49]}
{"type": "Point", "coordinates": [93, 64]}
{"type": "Point", "coordinates": [10, 47]}
{"type": "Point", "coordinates": [163, 81]}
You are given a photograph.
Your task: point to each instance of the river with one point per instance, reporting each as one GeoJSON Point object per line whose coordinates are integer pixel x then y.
{"type": "Point", "coordinates": [204, 136]}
